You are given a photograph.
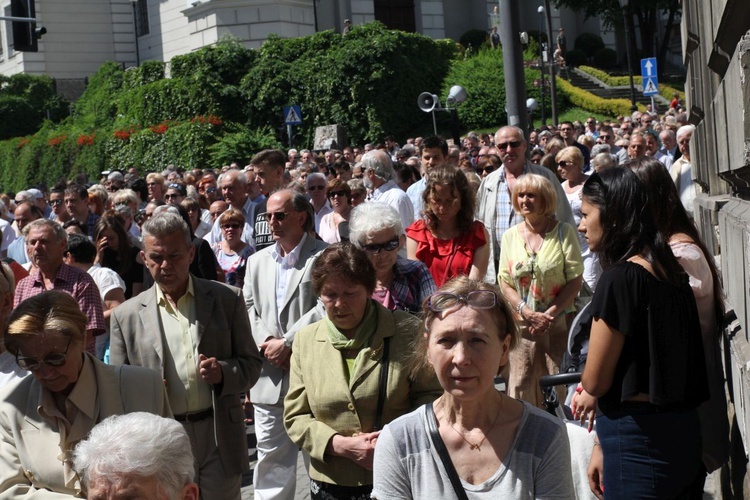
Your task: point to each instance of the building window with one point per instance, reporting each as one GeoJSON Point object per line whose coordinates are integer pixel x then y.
{"type": "Point", "coordinates": [141, 16]}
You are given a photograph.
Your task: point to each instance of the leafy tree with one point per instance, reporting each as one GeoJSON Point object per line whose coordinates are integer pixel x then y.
{"type": "Point", "coordinates": [646, 11]}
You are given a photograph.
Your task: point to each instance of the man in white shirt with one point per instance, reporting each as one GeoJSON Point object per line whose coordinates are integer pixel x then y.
{"type": "Point", "coordinates": [380, 180]}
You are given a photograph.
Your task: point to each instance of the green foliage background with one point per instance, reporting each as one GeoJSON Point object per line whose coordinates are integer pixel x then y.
{"type": "Point", "coordinates": [224, 103]}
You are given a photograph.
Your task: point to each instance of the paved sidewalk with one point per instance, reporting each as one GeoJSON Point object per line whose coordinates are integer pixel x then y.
{"type": "Point", "coordinates": [303, 485]}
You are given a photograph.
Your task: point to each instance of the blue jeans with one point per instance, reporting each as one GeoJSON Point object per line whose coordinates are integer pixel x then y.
{"type": "Point", "coordinates": [649, 454]}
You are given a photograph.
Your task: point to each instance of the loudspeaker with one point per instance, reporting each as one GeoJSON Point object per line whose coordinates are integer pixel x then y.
{"type": "Point", "coordinates": [428, 102]}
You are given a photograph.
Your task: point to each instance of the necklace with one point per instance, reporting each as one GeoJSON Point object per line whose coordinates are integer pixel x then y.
{"type": "Point", "coordinates": [529, 228]}
{"type": "Point", "coordinates": [475, 446]}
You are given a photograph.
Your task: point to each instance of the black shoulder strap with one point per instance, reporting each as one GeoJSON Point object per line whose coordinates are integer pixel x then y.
{"type": "Point", "coordinates": [383, 384]}
{"type": "Point", "coordinates": [442, 452]}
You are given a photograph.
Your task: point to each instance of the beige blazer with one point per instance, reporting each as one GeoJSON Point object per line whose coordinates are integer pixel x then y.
{"type": "Point", "coordinates": [136, 338]}
{"type": "Point", "coordinates": [30, 447]}
{"type": "Point", "coordinates": [321, 403]}
{"type": "Point", "coordinates": [300, 308]}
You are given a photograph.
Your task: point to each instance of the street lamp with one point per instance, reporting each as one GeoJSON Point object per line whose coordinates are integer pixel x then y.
{"type": "Point", "coordinates": [540, 10]}
{"type": "Point", "coordinates": [134, 3]}
{"type": "Point", "coordinates": [624, 5]}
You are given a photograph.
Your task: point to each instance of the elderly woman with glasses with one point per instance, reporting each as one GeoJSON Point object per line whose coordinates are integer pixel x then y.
{"type": "Point", "coordinates": [401, 284]}
{"type": "Point", "coordinates": [349, 376]}
{"type": "Point", "coordinates": [333, 225]}
{"type": "Point", "coordinates": [540, 273]}
{"type": "Point", "coordinates": [232, 252]}
{"type": "Point", "coordinates": [473, 441]}
{"type": "Point", "coordinates": [44, 416]}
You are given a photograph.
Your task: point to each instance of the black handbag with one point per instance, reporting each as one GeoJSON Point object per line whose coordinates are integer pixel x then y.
{"type": "Point", "coordinates": [442, 452]}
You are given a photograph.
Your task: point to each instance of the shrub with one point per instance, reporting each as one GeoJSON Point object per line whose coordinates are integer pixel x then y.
{"type": "Point", "coordinates": [589, 43]}
{"type": "Point", "coordinates": [474, 39]}
{"type": "Point", "coordinates": [605, 58]}
{"type": "Point", "coordinates": [97, 107]}
{"type": "Point", "coordinates": [594, 103]}
{"type": "Point", "coordinates": [665, 90]}
{"type": "Point", "coordinates": [575, 58]}
{"type": "Point", "coordinates": [241, 143]}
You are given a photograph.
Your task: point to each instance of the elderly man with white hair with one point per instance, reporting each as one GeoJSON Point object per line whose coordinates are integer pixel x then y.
{"type": "Point", "coordinates": [137, 455]}
{"type": "Point", "coordinates": [682, 171]}
{"type": "Point", "coordinates": [380, 179]}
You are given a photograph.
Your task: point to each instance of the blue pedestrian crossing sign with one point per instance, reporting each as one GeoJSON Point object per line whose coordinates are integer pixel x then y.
{"type": "Point", "coordinates": [649, 76]}
{"type": "Point", "coordinates": [292, 115]}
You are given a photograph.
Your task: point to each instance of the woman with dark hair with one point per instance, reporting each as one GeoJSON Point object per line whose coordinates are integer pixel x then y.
{"type": "Point", "coordinates": [340, 197]}
{"type": "Point", "coordinates": [115, 251]}
{"type": "Point", "coordinates": [448, 239]}
{"type": "Point", "coordinates": [488, 164]}
{"type": "Point", "coordinates": [645, 363]}
{"type": "Point", "coordinates": [675, 225]}
{"type": "Point", "coordinates": [349, 376]}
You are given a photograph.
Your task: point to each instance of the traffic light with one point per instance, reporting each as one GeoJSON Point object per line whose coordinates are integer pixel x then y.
{"type": "Point", "coordinates": [25, 34]}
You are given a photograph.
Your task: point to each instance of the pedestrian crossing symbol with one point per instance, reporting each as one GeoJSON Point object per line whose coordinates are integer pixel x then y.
{"type": "Point", "coordinates": [650, 87]}
{"type": "Point", "coordinates": [292, 115]}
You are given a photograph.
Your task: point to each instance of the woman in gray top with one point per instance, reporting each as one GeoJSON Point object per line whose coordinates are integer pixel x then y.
{"type": "Point", "coordinates": [499, 447]}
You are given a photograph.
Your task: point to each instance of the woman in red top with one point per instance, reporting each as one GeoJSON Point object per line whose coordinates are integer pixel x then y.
{"type": "Point", "coordinates": [448, 239]}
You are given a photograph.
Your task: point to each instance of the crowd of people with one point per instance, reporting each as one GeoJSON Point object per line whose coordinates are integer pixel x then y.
{"type": "Point", "coordinates": [358, 306]}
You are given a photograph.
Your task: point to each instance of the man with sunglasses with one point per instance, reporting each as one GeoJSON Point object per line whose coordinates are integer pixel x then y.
{"type": "Point", "coordinates": [607, 136]}
{"type": "Point", "coordinates": [280, 301]}
{"type": "Point", "coordinates": [494, 202]}
{"type": "Point", "coordinates": [57, 202]}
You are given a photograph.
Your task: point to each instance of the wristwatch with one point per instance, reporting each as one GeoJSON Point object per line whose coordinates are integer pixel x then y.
{"type": "Point", "coordinates": [287, 342]}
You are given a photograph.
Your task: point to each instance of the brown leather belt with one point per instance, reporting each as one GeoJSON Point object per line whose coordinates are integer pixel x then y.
{"type": "Point", "coordinates": [195, 416]}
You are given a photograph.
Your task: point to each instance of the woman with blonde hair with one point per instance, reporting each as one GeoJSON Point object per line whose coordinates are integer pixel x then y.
{"type": "Point", "coordinates": [540, 274]}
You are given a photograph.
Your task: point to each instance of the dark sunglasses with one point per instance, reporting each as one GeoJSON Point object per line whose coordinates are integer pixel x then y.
{"type": "Point", "coordinates": [280, 216]}
{"type": "Point", "coordinates": [55, 202]}
{"type": "Point", "coordinates": [487, 169]}
{"type": "Point", "coordinates": [230, 226]}
{"type": "Point", "coordinates": [315, 188]}
{"type": "Point", "coordinates": [504, 145]}
{"type": "Point", "coordinates": [340, 194]}
{"type": "Point", "coordinates": [562, 163]}
{"type": "Point", "coordinates": [388, 246]}
{"type": "Point", "coordinates": [55, 359]}
{"type": "Point", "coordinates": [172, 196]}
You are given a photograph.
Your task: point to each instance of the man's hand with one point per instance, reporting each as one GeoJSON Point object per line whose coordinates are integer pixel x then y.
{"type": "Point", "coordinates": [276, 352]}
{"type": "Point", "coordinates": [210, 369]}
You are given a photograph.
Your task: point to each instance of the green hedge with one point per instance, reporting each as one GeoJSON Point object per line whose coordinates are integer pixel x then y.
{"type": "Point", "coordinates": [665, 91]}
{"type": "Point", "coordinates": [594, 103]}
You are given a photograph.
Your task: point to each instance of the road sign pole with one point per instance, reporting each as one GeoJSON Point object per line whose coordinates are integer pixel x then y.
{"type": "Point", "coordinates": [289, 134]}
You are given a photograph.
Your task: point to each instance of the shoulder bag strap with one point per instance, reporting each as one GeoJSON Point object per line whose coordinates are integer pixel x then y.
{"type": "Point", "coordinates": [442, 452]}
{"type": "Point", "coordinates": [382, 384]}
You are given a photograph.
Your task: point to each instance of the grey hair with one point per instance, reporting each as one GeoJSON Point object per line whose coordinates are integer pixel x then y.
{"type": "Point", "coordinates": [685, 129]}
{"type": "Point", "coordinates": [300, 203]}
{"type": "Point", "coordinates": [371, 217]}
{"type": "Point", "coordinates": [166, 222]}
{"type": "Point", "coordinates": [233, 173]}
{"type": "Point", "coordinates": [511, 127]}
{"type": "Point", "coordinates": [356, 185]}
{"type": "Point", "coordinates": [142, 444]}
{"type": "Point", "coordinates": [668, 132]}
{"type": "Point", "coordinates": [57, 229]}
{"type": "Point", "coordinates": [380, 163]}
{"type": "Point", "coordinates": [603, 160]}
{"type": "Point", "coordinates": [313, 176]}
{"type": "Point", "coordinates": [600, 148]}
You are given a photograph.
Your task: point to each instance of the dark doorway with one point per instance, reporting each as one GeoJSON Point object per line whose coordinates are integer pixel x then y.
{"type": "Point", "coordinates": [396, 14]}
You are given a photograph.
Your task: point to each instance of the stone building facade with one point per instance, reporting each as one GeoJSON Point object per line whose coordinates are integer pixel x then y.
{"type": "Point", "coordinates": [716, 48]}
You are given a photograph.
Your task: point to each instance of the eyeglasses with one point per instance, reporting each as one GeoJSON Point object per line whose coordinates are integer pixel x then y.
{"type": "Point", "coordinates": [340, 194]}
{"type": "Point", "coordinates": [55, 202]}
{"type": "Point", "coordinates": [487, 169]}
{"type": "Point", "coordinates": [590, 123]}
{"type": "Point", "coordinates": [230, 226]}
{"type": "Point", "coordinates": [55, 359]}
{"type": "Point", "coordinates": [604, 136]}
{"type": "Point", "coordinates": [357, 195]}
{"type": "Point", "coordinates": [388, 246]}
{"type": "Point", "coordinates": [280, 216]}
{"type": "Point", "coordinates": [151, 184]}
{"type": "Point", "coordinates": [210, 190]}
{"type": "Point", "coordinates": [562, 163]}
{"type": "Point", "coordinates": [478, 299]}
{"type": "Point", "coordinates": [315, 188]}
{"type": "Point", "coordinates": [174, 185]}
{"type": "Point", "coordinates": [172, 196]}
{"type": "Point", "coordinates": [504, 145]}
